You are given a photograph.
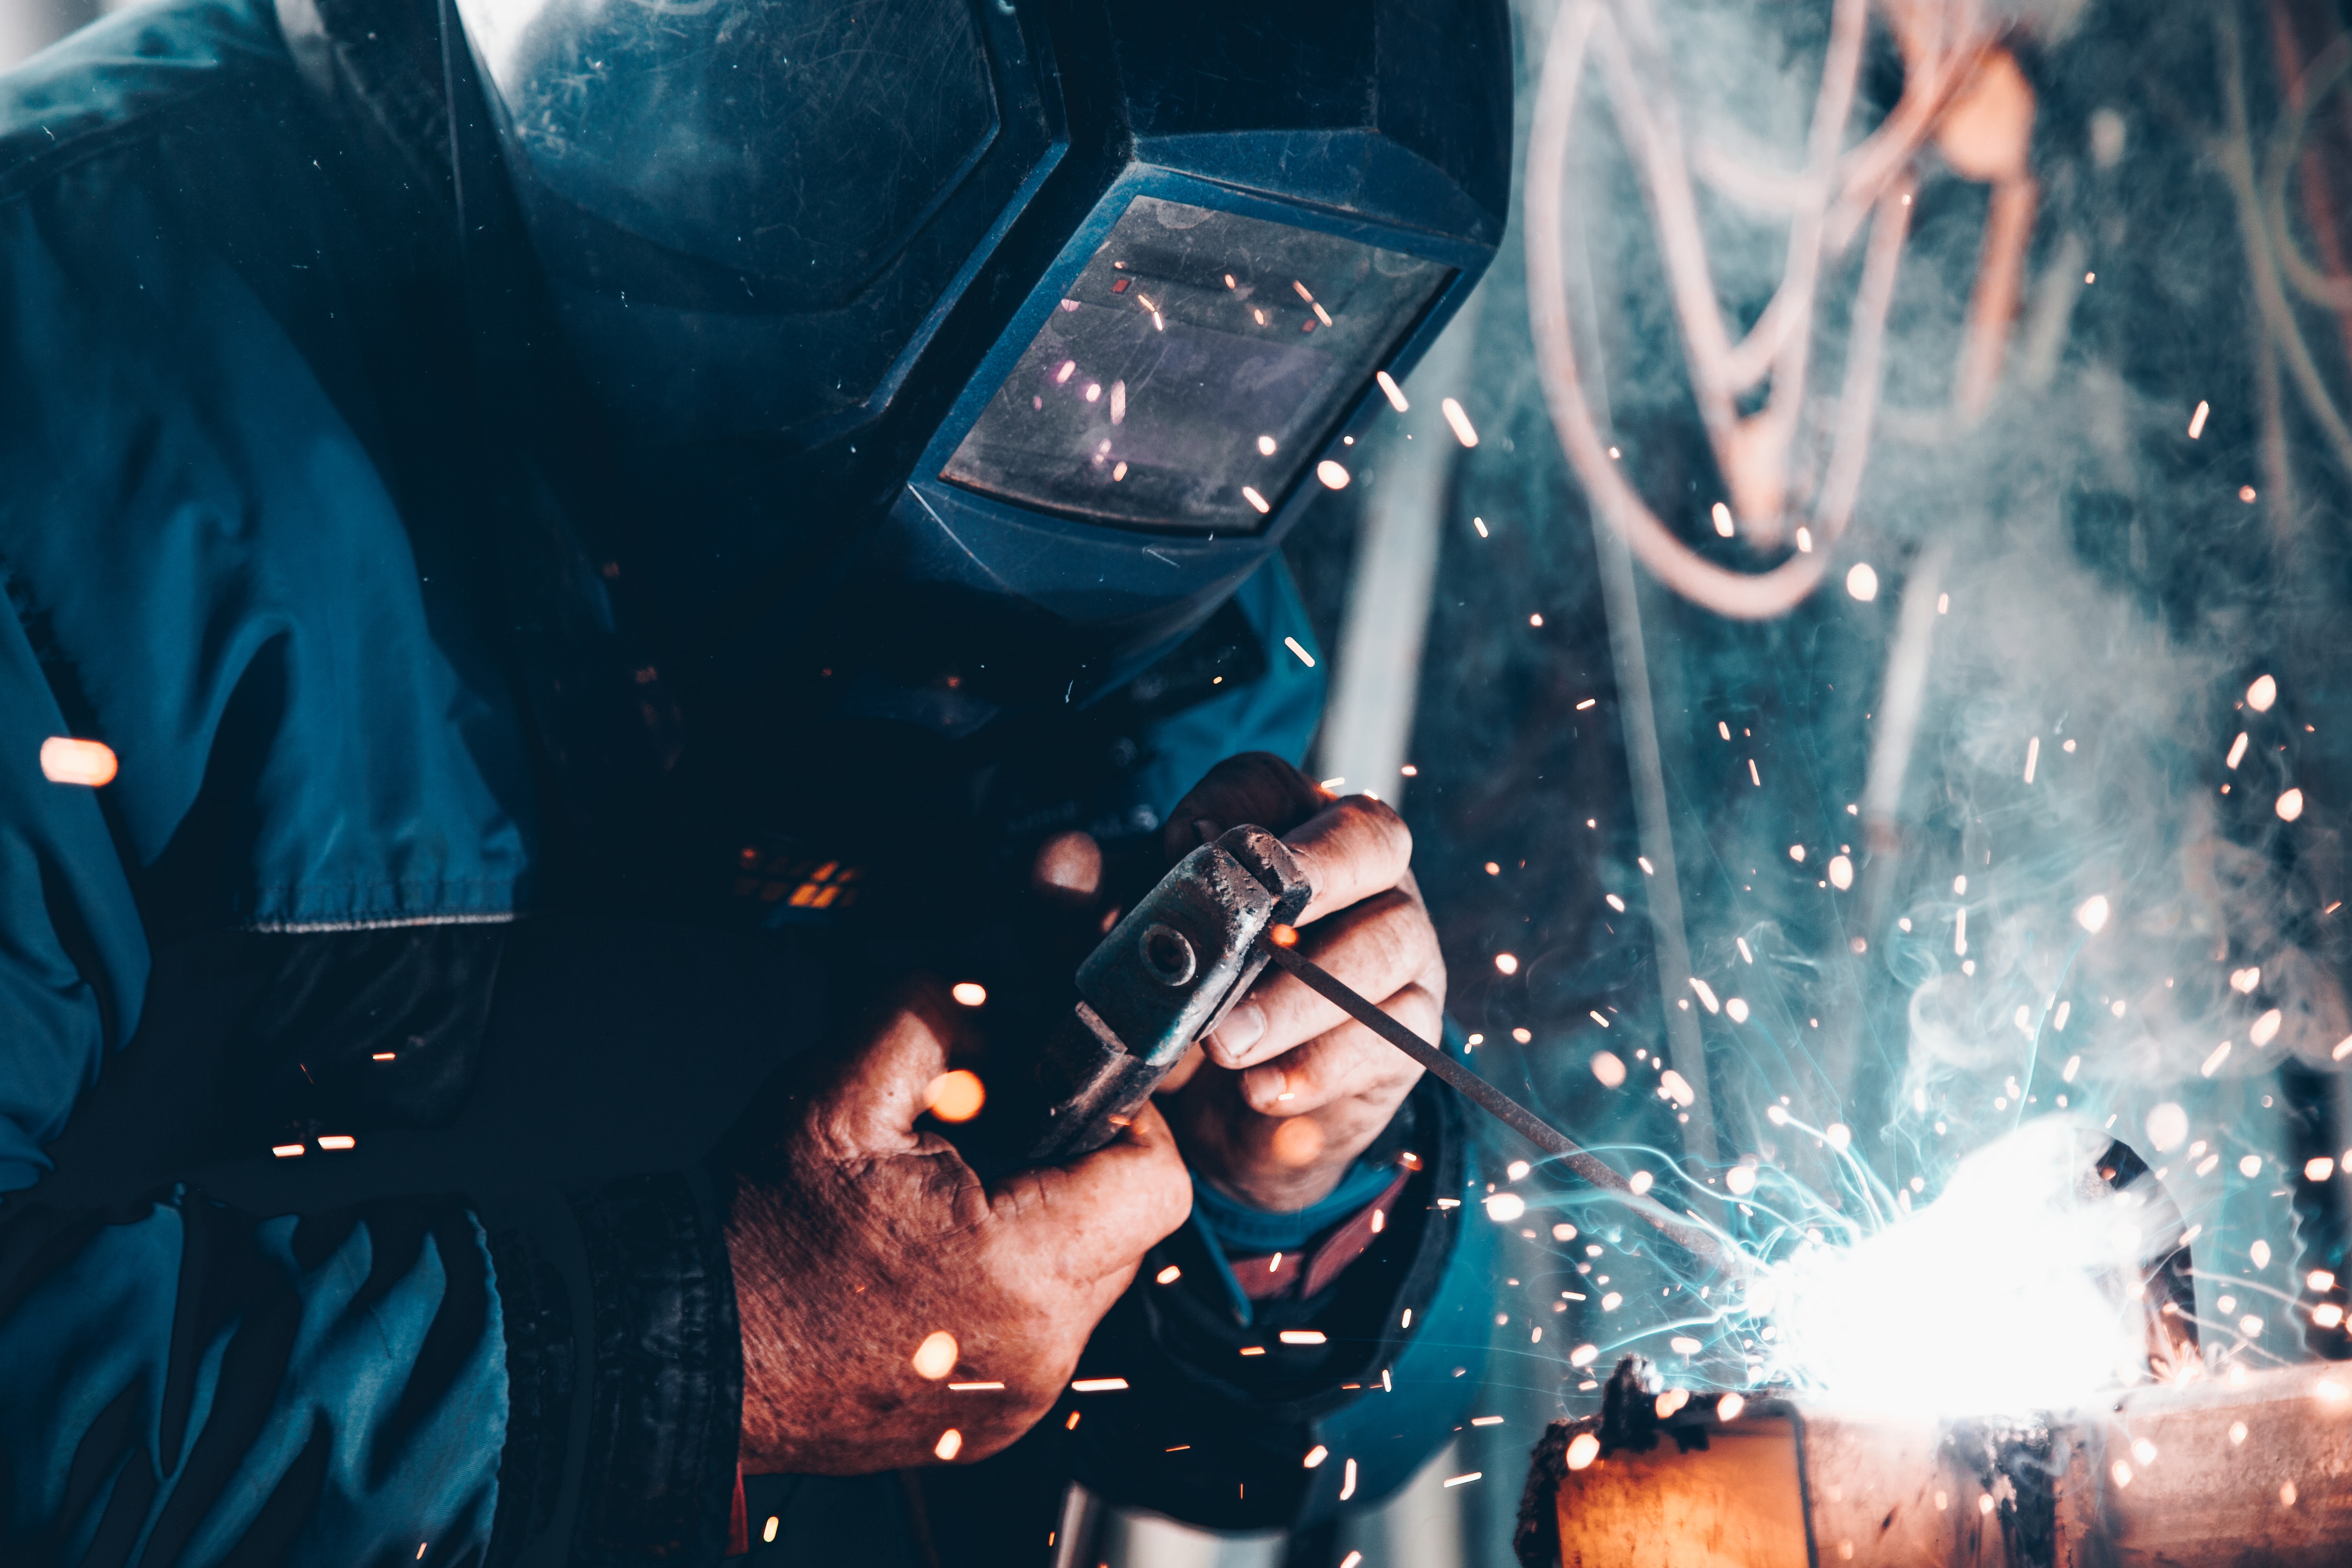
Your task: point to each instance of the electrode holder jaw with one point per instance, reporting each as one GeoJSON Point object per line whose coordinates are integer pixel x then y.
{"type": "Point", "coordinates": [1166, 975]}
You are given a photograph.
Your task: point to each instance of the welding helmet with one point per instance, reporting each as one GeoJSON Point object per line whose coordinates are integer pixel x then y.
{"type": "Point", "coordinates": [1000, 331]}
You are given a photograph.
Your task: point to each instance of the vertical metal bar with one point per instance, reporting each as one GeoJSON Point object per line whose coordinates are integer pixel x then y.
{"type": "Point", "coordinates": [1640, 723]}
{"type": "Point", "coordinates": [1621, 593]}
{"type": "Point", "coordinates": [1377, 675]}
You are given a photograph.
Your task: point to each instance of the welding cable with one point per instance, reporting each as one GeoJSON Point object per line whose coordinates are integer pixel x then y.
{"type": "Point", "coordinates": [1702, 1245]}
{"type": "Point", "coordinates": [1734, 593]}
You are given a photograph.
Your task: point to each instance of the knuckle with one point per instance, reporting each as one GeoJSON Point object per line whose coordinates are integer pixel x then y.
{"type": "Point", "coordinates": [1379, 818]}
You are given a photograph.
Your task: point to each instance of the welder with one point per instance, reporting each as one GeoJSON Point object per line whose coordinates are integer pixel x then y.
{"type": "Point", "coordinates": [599, 594]}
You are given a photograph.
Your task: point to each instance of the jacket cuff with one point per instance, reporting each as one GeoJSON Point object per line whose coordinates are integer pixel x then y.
{"type": "Point", "coordinates": [535, 1318]}
{"type": "Point", "coordinates": [665, 1388]}
{"type": "Point", "coordinates": [1375, 1383]}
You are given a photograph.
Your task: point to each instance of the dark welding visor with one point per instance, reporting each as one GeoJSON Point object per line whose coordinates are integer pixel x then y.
{"type": "Point", "coordinates": [1187, 376]}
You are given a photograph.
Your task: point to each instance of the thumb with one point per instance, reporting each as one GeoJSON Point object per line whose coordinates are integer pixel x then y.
{"type": "Point", "coordinates": [1099, 1214]}
{"type": "Point", "coordinates": [1256, 787]}
{"type": "Point", "coordinates": [878, 1090]}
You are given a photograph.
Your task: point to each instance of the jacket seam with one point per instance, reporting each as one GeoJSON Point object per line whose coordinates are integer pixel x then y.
{"type": "Point", "coordinates": [311, 928]}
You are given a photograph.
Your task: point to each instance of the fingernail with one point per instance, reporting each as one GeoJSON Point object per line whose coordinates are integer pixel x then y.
{"type": "Point", "coordinates": [1266, 1087]}
{"type": "Point", "coordinates": [1243, 1028]}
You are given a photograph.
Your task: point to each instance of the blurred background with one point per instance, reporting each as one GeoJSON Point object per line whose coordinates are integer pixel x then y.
{"type": "Point", "coordinates": [1934, 714]}
{"type": "Point", "coordinates": [27, 25]}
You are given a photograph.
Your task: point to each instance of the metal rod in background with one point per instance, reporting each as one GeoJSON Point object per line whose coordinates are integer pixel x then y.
{"type": "Point", "coordinates": [1902, 704]}
{"type": "Point", "coordinates": [1698, 1243]}
{"type": "Point", "coordinates": [1376, 670]}
{"type": "Point", "coordinates": [1638, 721]}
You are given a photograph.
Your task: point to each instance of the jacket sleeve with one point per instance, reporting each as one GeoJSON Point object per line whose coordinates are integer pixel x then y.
{"type": "Point", "coordinates": [387, 1383]}
{"type": "Point", "coordinates": [379, 1384]}
{"type": "Point", "coordinates": [224, 1389]}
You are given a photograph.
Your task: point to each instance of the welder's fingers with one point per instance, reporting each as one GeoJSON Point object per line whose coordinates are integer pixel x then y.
{"type": "Point", "coordinates": [1068, 870]}
{"type": "Point", "coordinates": [1376, 947]}
{"type": "Point", "coordinates": [1087, 1223]}
{"type": "Point", "coordinates": [1352, 848]}
{"type": "Point", "coordinates": [871, 1100]}
{"type": "Point", "coordinates": [1345, 1066]}
{"type": "Point", "coordinates": [1254, 787]}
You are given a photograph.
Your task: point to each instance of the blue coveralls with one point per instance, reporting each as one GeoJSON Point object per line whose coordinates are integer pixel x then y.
{"type": "Point", "coordinates": [232, 553]}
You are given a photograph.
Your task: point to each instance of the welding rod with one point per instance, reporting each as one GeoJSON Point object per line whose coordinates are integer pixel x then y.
{"type": "Point", "coordinates": [1699, 1243]}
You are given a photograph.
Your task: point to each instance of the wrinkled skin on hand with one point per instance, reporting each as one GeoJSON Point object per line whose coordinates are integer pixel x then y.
{"type": "Point", "coordinates": [854, 1238]}
{"type": "Point", "coordinates": [1289, 1089]}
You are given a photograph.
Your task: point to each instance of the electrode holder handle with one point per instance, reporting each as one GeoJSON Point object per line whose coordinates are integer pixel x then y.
{"type": "Point", "coordinates": [1166, 975]}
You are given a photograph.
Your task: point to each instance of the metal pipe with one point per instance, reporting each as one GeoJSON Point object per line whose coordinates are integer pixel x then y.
{"type": "Point", "coordinates": [2244, 1467]}
{"type": "Point", "coordinates": [1375, 676]}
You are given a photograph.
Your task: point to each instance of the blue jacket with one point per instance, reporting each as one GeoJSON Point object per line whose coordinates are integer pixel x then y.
{"type": "Point", "coordinates": [235, 551]}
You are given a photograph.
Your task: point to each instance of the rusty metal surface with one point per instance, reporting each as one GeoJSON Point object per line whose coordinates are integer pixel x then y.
{"type": "Point", "coordinates": [2226, 1473]}
{"type": "Point", "coordinates": [1735, 1505]}
{"type": "Point", "coordinates": [2280, 1494]}
{"type": "Point", "coordinates": [1887, 1493]}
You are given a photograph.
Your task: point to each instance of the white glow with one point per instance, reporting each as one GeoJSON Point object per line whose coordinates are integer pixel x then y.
{"type": "Point", "coordinates": [1862, 582]}
{"type": "Point", "coordinates": [2091, 914]}
{"type": "Point", "coordinates": [1503, 1207]}
{"type": "Point", "coordinates": [1872, 1326]}
{"type": "Point", "coordinates": [2167, 1127]}
{"type": "Point", "coordinates": [1609, 1068]}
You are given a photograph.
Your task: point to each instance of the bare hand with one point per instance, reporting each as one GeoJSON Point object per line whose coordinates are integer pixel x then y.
{"type": "Point", "coordinates": [855, 1239]}
{"type": "Point", "coordinates": [1291, 1089]}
